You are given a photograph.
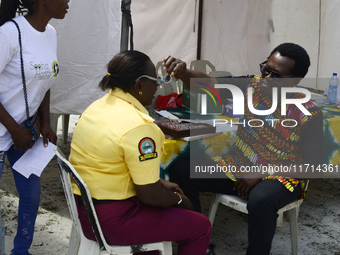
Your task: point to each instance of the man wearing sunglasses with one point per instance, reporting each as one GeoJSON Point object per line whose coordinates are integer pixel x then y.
{"type": "Point", "coordinates": [282, 70]}
{"type": "Point", "coordinates": [270, 144]}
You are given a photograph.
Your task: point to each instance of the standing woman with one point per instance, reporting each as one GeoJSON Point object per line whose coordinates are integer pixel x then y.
{"type": "Point", "coordinates": [30, 62]}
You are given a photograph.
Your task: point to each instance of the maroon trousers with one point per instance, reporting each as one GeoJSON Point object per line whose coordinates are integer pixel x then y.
{"type": "Point", "coordinates": [129, 222]}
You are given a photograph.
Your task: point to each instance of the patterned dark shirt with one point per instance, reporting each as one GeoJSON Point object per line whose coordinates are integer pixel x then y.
{"type": "Point", "coordinates": [275, 139]}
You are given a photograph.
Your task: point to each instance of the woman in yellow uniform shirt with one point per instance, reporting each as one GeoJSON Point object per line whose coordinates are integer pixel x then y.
{"type": "Point", "coordinates": [116, 148]}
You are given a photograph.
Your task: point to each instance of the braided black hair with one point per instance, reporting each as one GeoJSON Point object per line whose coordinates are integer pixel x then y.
{"type": "Point", "coordinates": [297, 53]}
{"type": "Point", "coordinates": [124, 69]}
{"type": "Point", "coordinates": [9, 8]}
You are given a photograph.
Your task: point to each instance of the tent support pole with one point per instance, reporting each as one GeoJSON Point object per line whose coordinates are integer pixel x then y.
{"type": "Point", "coordinates": [199, 30]}
{"type": "Point", "coordinates": [124, 40]}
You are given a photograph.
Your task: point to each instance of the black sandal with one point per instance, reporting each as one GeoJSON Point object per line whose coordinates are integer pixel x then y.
{"type": "Point", "coordinates": [211, 250]}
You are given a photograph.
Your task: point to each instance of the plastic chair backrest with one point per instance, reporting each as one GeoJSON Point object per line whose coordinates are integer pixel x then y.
{"type": "Point", "coordinates": [201, 65]}
{"type": "Point", "coordinates": [220, 74]}
{"type": "Point", "coordinates": [86, 245]}
{"type": "Point", "coordinates": [166, 89]}
{"type": "Point", "coordinates": [159, 68]}
{"type": "Point", "coordinates": [67, 170]}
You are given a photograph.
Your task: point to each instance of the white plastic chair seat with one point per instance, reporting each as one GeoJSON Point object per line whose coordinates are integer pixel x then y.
{"type": "Point", "coordinates": [79, 244]}
{"type": "Point", "coordinates": [90, 247]}
{"type": "Point", "coordinates": [240, 204]}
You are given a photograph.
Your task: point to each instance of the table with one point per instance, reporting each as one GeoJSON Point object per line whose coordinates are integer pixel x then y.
{"type": "Point", "coordinates": [177, 149]}
{"type": "Point", "coordinates": [224, 143]}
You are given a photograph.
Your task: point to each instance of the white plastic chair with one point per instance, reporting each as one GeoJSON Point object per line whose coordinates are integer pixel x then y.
{"type": "Point", "coordinates": [82, 245]}
{"type": "Point", "coordinates": [240, 205]}
{"type": "Point", "coordinates": [201, 65]}
{"type": "Point", "coordinates": [174, 82]}
{"type": "Point", "coordinates": [177, 85]}
{"type": "Point", "coordinates": [220, 74]}
{"type": "Point", "coordinates": [65, 123]}
{"type": "Point", "coordinates": [159, 68]}
{"type": "Point", "coordinates": [167, 88]}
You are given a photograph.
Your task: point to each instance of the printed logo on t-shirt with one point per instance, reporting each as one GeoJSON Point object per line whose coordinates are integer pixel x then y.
{"type": "Point", "coordinates": [147, 149]}
{"type": "Point", "coordinates": [43, 71]}
{"type": "Point", "coordinates": [55, 68]}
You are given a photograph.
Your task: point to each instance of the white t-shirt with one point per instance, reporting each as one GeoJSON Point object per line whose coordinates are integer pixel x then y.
{"type": "Point", "coordinates": [39, 50]}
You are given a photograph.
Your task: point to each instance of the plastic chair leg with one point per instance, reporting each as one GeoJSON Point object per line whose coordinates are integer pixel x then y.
{"type": "Point", "coordinates": [89, 247]}
{"type": "Point", "coordinates": [293, 220]}
{"type": "Point", "coordinates": [65, 123]}
{"type": "Point", "coordinates": [213, 209]}
{"type": "Point", "coordinates": [279, 221]}
{"type": "Point", "coordinates": [54, 121]}
{"type": "Point", "coordinates": [66, 120]}
{"type": "Point", "coordinates": [74, 243]}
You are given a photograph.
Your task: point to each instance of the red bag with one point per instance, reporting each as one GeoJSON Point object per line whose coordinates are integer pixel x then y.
{"type": "Point", "coordinates": [172, 100]}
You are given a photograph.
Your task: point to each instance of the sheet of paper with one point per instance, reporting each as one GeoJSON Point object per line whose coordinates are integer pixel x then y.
{"type": "Point", "coordinates": [196, 137]}
{"type": "Point", "coordinates": [35, 159]}
{"type": "Point", "coordinates": [167, 114]}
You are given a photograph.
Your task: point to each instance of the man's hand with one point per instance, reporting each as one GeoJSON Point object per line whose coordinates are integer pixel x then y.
{"type": "Point", "coordinates": [178, 69]}
{"type": "Point", "coordinates": [175, 67]}
{"type": "Point", "coordinates": [244, 185]}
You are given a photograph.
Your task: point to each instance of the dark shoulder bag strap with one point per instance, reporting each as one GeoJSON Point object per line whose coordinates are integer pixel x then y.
{"type": "Point", "coordinates": [22, 71]}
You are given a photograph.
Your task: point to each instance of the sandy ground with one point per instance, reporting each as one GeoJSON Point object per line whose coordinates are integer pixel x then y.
{"type": "Point", "coordinates": [319, 218]}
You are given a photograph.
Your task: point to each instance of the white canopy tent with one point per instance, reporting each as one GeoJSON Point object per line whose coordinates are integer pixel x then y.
{"type": "Point", "coordinates": [88, 38]}
{"type": "Point", "coordinates": [238, 35]}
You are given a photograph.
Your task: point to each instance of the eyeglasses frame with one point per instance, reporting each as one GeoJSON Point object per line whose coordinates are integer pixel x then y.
{"type": "Point", "coordinates": [159, 80]}
{"type": "Point", "coordinates": [277, 79]}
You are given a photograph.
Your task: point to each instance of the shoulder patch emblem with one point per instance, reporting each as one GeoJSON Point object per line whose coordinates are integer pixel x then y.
{"type": "Point", "coordinates": [147, 149]}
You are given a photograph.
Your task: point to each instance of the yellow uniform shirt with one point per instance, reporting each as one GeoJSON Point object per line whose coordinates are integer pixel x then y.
{"type": "Point", "coordinates": [116, 144]}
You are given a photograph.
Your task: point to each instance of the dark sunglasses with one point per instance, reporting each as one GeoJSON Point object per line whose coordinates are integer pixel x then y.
{"type": "Point", "coordinates": [265, 71]}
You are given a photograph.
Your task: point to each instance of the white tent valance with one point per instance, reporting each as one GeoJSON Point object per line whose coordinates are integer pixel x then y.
{"type": "Point", "coordinates": [88, 38]}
